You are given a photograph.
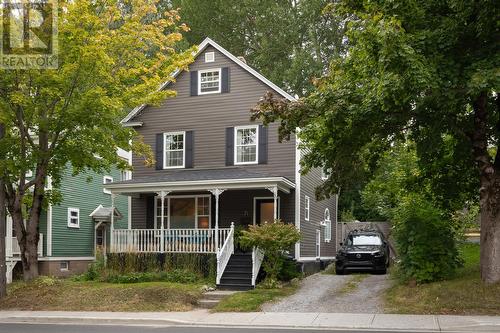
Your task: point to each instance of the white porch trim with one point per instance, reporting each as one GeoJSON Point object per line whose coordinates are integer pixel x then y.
{"type": "Point", "coordinates": [281, 183]}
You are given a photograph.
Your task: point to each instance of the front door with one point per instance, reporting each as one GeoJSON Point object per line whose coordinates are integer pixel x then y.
{"type": "Point", "coordinates": [264, 211]}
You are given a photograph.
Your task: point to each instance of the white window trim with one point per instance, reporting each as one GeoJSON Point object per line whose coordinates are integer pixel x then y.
{"type": "Point", "coordinates": [104, 190]}
{"type": "Point", "coordinates": [255, 207]}
{"type": "Point", "coordinates": [328, 226]}
{"type": "Point", "coordinates": [307, 208]}
{"type": "Point", "coordinates": [256, 127]}
{"type": "Point", "coordinates": [167, 204]}
{"type": "Point", "coordinates": [64, 269]}
{"type": "Point", "coordinates": [199, 81]}
{"type": "Point", "coordinates": [183, 150]}
{"type": "Point", "coordinates": [208, 55]}
{"type": "Point", "coordinates": [71, 210]}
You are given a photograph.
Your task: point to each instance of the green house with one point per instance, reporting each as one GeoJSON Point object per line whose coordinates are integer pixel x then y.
{"type": "Point", "coordinates": [72, 231]}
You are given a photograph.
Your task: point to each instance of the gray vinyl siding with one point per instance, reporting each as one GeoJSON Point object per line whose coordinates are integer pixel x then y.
{"type": "Point", "coordinates": [208, 116]}
{"type": "Point", "coordinates": [308, 184]}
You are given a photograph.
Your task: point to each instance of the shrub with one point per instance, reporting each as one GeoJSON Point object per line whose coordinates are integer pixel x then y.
{"type": "Point", "coordinates": [274, 239]}
{"type": "Point", "coordinates": [289, 270]}
{"type": "Point", "coordinates": [425, 240]}
{"type": "Point", "coordinates": [177, 275]}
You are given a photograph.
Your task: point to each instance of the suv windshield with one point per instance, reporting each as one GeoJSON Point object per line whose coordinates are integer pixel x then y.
{"type": "Point", "coordinates": [364, 240]}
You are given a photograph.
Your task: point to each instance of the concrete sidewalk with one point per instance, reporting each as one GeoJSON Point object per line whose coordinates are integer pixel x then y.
{"type": "Point", "coordinates": [379, 322]}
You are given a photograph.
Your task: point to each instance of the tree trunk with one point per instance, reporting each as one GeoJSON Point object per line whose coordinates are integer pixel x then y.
{"type": "Point", "coordinates": [29, 257]}
{"type": "Point", "coordinates": [489, 193]}
{"type": "Point", "coordinates": [490, 232]}
{"type": "Point", "coordinates": [28, 244]}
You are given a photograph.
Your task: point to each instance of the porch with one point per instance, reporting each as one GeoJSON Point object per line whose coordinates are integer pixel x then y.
{"type": "Point", "coordinates": [196, 211]}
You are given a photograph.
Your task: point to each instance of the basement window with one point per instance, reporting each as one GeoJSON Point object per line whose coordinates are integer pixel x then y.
{"type": "Point", "coordinates": [64, 265]}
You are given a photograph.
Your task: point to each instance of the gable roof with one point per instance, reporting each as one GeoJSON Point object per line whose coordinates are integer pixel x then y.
{"type": "Point", "coordinates": [206, 42]}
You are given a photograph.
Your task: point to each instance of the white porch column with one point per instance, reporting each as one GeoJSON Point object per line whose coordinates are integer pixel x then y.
{"type": "Point", "coordinates": [217, 192]}
{"type": "Point", "coordinates": [112, 227]}
{"type": "Point", "coordinates": [162, 195]}
{"type": "Point", "coordinates": [274, 191]}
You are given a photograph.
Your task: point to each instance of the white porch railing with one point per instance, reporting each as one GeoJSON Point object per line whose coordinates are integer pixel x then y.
{"type": "Point", "coordinates": [224, 254]}
{"type": "Point", "coordinates": [12, 248]}
{"type": "Point", "coordinates": [257, 258]}
{"type": "Point", "coordinates": [174, 240]}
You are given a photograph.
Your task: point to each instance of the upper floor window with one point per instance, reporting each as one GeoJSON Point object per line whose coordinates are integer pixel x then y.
{"type": "Point", "coordinates": [174, 152]}
{"type": "Point", "coordinates": [74, 217]}
{"type": "Point", "coordinates": [246, 144]}
{"type": "Point", "coordinates": [106, 180]}
{"type": "Point", "coordinates": [209, 81]}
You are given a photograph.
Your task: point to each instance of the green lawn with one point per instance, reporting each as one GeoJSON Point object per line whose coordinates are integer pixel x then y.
{"type": "Point", "coordinates": [465, 294]}
{"type": "Point", "coordinates": [252, 300]}
{"type": "Point", "coordinates": [68, 295]}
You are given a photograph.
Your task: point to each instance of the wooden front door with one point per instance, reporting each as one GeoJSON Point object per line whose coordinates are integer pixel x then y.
{"type": "Point", "coordinates": [264, 211]}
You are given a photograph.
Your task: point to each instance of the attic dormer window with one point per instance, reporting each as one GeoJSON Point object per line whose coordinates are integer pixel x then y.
{"type": "Point", "coordinates": [209, 57]}
{"type": "Point", "coordinates": [209, 81]}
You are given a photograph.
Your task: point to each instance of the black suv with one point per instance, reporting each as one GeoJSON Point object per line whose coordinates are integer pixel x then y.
{"type": "Point", "coordinates": [363, 250]}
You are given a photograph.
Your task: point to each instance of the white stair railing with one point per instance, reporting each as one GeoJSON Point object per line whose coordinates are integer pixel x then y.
{"type": "Point", "coordinates": [224, 254]}
{"type": "Point", "coordinates": [257, 258]}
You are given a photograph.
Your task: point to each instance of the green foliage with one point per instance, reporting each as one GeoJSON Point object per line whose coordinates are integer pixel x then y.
{"type": "Point", "coordinates": [395, 177]}
{"type": "Point", "coordinates": [347, 215]}
{"type": "Point", "coordinates": [176, 275]}
{"type": "Point", "coordinates": [464, 219]}
{"type": "Point", "coordinates": [273, 239]}
{"type": "Point", "coordinates": [112, 57]}
{"type": "Point", "coordinates": [425, 241]}
{"type": "Point", "coordinates": [289, 271]}
{"type": "Point", "coordinates": [204, 265]}
{"type": "Point", "coordinates": [413, 71]}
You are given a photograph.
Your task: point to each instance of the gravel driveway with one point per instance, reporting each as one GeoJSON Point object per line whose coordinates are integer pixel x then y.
{"type": "Point", "coordinates": [335, 293]}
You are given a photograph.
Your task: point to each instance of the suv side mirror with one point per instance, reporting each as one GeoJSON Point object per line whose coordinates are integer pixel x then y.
{"type": "Point", "coordinates": [341, 243]}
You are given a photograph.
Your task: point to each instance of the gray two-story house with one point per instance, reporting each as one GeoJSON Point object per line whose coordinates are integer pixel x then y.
{"type": "Point", "coordinates": [216, 169]}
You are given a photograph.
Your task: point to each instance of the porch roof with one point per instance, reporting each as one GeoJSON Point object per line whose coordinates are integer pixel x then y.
{"type": "Point", "coordinates": [201, 179]}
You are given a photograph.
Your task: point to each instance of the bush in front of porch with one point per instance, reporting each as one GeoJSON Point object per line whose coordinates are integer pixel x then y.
{"type": "Point", "coordinates": [274, 239]}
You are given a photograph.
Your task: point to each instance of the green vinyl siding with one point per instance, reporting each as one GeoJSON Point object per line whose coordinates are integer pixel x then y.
{"type": "Point", "coordinates": [78, 192]}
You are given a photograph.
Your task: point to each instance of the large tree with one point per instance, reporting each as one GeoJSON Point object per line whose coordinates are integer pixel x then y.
{"type": "Point", "coordinates": [113, 55]}
{"type": "Point", "coordinates": [427, 71]}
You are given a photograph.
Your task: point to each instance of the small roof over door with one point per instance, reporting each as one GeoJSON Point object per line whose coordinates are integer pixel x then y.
{"type": "Point", "coordinates": [103, 214]}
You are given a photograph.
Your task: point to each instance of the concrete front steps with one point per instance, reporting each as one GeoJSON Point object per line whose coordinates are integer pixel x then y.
{"type": "Point", "coordinates": [212, 298]}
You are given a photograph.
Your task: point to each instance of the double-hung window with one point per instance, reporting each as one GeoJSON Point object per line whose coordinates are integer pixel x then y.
{"type": "Point", "coordinates": [246, 144]}
{"type": "Point", "coordinates": [174, 152]}
{"type": "Point", "coordinates": [209, 81]}
{"type": "Point", "coordinates": [74, 217]}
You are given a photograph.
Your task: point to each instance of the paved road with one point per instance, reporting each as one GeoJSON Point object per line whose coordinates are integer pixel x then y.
{"type": "Point", "coordinates": [330, 293]}
{"type": "Point", "coordinates": [63, 328]}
